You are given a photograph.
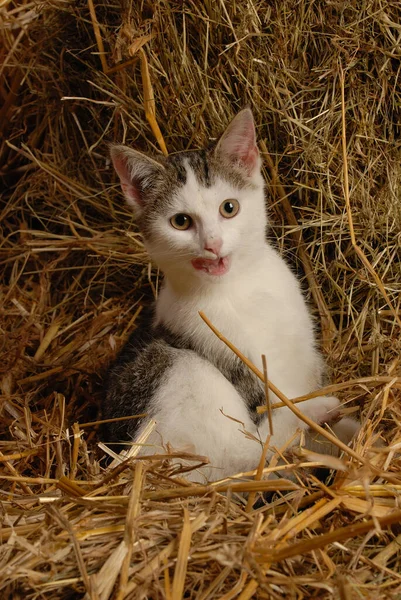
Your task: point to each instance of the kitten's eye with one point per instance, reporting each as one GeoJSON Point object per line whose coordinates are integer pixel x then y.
{"type": "Point", "coordinates": [181, 221]}
{"type": "Point", "coordinates": [229, 208]}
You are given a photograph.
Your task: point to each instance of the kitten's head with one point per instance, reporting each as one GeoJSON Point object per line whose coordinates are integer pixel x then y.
{"type": "Point", "coordinates": [201, 213]}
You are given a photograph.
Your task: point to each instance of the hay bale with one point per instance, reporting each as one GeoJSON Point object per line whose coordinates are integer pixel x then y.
{"type": "Point", "coordinates": [74, 276]}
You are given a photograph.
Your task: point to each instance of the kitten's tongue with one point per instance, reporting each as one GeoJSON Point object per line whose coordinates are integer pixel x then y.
{"type": "Point", "coordinates": [218, 266]}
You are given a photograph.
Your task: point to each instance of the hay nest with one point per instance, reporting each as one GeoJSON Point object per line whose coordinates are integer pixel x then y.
{"type": "Point", "coordinates": [323, 80]}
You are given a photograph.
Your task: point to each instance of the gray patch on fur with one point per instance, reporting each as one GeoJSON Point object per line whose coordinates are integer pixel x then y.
{"type": "Point", "coordinates": [199, 162]}
{"type": "Point", "coordinates": [247, 385]}
{"type": "Point", "coordinates": [131, 386]}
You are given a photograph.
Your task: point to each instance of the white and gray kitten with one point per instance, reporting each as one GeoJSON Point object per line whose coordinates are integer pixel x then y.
{"type": "Point", "coordinates": [203, 219]}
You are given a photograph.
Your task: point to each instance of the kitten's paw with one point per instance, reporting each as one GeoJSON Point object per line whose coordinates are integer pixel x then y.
{"type": "Point", "coordinates": [324, 409]}
{"type": "Point", "coordinates": [346, 429]}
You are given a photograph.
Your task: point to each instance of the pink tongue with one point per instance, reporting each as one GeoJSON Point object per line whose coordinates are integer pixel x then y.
{"type": "Point", "coordinates": [218, 266]}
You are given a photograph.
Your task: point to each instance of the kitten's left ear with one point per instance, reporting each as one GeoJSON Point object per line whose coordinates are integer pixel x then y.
{"type": "Point", "coordinates": [238, 143]}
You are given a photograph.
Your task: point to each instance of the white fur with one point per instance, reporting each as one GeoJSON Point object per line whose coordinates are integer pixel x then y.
{"type": "Point", "coordinates": [257, 305]}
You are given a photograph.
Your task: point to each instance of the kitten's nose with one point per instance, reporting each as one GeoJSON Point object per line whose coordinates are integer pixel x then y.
{"type": "Point", "coordinates": [213, 245]}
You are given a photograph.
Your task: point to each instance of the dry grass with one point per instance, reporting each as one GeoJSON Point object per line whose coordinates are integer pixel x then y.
{"type": "Point", "coordinates": [75, 75]}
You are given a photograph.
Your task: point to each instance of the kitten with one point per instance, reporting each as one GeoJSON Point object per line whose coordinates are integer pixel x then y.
{"type": "Point", "coordinates": [203, 219]}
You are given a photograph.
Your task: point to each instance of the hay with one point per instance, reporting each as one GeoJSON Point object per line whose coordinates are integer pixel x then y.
{"type": "Point", "coordinates": [75, 276]}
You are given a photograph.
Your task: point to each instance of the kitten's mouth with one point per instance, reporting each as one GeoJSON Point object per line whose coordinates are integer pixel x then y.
{"type": "Point", "coordinates": [217, 266]}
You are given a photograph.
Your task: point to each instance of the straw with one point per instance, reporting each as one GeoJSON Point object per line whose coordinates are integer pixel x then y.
{"type": "Point", "coordinates": [80, 519]}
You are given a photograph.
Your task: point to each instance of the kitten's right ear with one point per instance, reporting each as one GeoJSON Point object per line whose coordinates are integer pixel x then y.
{"type": "Point", "coordinates": [238, 145]}
{"type": "Point", "coordinates": [138, 173]}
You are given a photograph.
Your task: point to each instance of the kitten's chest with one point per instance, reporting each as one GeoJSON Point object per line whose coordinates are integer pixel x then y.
{"type": "Point", "coordinates": [253, 325]}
